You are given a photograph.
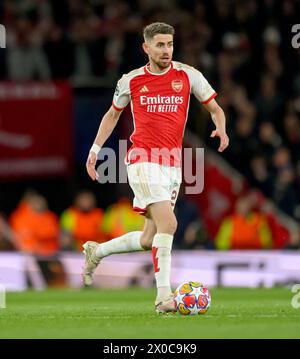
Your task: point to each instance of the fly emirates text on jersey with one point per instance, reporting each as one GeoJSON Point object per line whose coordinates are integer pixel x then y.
{"type": "Point", "coordinates": [161, 103]}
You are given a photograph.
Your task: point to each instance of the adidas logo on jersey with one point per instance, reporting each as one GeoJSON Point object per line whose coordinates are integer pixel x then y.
{"type": "Point", "coordinates": [144, 89]}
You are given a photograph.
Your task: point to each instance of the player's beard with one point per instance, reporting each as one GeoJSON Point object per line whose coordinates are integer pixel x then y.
{"type": "Point", "coordinates": [162, 64]}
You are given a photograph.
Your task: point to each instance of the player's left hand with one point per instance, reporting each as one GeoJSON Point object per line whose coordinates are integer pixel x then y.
{"type": "Point", "coordinates": [90, 165]}
{"type": "Point", "coordinates": [224, 140]}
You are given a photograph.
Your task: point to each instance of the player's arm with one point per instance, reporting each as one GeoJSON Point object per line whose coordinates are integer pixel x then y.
{"type": "Point", "coordinates": [203, 91]}
{"type": "Point", "coordinates": [108, 123]}
{"type": "Point", "coordinates": [218, 117]}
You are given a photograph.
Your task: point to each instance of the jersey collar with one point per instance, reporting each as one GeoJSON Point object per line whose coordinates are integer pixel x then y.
{"type": "Point", "coordinates": [155, 74]}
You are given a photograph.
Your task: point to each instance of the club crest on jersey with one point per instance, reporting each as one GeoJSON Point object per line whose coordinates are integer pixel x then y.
{"type": "Point", "coordinates": [177, 85]}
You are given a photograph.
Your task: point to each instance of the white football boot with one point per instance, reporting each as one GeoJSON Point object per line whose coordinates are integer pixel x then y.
{"type": "Point", "coordinates": [166, 305]}
{"type": "Point", "coordinates": [91, 262]}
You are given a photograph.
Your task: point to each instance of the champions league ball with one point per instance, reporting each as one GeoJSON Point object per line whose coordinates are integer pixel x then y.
{"type": "Point", "coordinates": [192, 298]}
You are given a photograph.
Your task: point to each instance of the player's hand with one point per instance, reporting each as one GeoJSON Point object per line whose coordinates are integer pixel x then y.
{"type": "Point", "coordinates": [224, 140]}
{"type": "Point", "coordinates": [90, 165]}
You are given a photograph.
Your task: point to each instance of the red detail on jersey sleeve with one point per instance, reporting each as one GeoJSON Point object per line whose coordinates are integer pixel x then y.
{"type": "Point", "coordinates": [155, 259]}
{"type": "Point", "coordinates": [117, 108]}
{"type": "Point", "coordinates": [209, 99]}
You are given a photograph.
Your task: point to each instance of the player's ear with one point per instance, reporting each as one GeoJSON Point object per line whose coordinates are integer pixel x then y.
{"type": "Point", "coordinates": [145, 47]}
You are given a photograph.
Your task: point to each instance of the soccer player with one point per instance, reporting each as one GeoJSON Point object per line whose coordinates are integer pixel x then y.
{"type": "Point", "coordinates": [159, 95]}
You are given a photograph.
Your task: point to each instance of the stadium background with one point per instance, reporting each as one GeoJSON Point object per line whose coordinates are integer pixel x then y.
{"type": "Point", "coordinates": [58, 74]}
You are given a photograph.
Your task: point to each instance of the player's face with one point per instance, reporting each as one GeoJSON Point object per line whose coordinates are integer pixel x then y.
{"type": "Point", "coordinates": [160, 50]}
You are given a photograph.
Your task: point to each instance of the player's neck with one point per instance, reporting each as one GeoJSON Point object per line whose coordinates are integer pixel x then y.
{"type": "Point", "coordinates": [152, 67]}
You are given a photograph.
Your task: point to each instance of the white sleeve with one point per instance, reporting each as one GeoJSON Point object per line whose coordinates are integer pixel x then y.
{"type": "Point", "coordinates": [122, 94]}
{"type": "Point", "coordinates": [200, 87]}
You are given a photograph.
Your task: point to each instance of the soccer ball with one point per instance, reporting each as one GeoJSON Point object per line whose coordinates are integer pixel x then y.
{"type": "Point", "coordinates": [192, 298]}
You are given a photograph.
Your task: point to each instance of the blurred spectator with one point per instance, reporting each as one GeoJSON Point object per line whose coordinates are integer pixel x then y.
{"type": "Point", "coordinates": [82, 222]}
{"type": "Point", "coordinates": [258, 173]}
{"type": "Point", "coordinates": [283, 236]}
{"type": "Point", "coordinates": [243, 143]}
{"type": "Point", "coordinates": [269, 102]}
{"type": "Point", "coordinates": [269, 138]}
{"type": "Point", "coordinates": [190, 232]}
{"type": "Point", "coordinates": [196, 237]}
{"type": "Point", "coordinates": [58, 48]}
{"type": "Point", "coordinates": [281, 159]}
{"type": "Point", "coordinates": [7, 237]}
{"type": "Point", "coordinates": [272, 61]}
{"type": "Point", "coordinates": [294, 242]}
{"type": "Point", "coordinates": [26, 59]}
{"type": "Point", "coordinates": [246, 228]}
{"type": "Point", "coordinates": [120, 219]}
{"type": "Point", "coordinates": [284, 193]}
{"type": "Point", "coordinates": [292, 134]}
{"type": "Point", "coordinates": [87, 51]}
{"type": "Point", "coordinates": [187, 212]}
{"type": "Point", "coordinates": [35, 226]}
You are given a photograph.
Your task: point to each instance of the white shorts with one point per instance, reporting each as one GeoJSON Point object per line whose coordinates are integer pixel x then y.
{"type": "Point", "coordinates": [152, 182]}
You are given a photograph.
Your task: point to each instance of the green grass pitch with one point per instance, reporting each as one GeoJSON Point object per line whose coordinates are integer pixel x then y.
{"type": "Point", "coordinates": [128, 313]}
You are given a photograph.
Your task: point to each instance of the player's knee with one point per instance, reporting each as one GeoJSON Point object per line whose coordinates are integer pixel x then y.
{"type": "Point", "coordinates": [146, 242]}
{"type": "Point", "coordinates": [168, 226]}
{"type": "Point", "coordinates": [173, 226]}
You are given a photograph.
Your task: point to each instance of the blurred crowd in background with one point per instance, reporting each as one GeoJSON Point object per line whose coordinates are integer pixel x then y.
{"type": "Point", "coordinates": [243, 48]}
{"type": "Point", "coordinates": [33, 228]}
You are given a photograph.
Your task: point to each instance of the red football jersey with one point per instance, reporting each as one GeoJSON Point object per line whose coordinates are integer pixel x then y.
{"type": "Point", "coordinates": [159, 105]}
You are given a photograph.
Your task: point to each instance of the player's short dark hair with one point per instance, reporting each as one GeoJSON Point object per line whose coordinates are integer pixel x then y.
{"type": "Point", "coordinates": [157, 28]}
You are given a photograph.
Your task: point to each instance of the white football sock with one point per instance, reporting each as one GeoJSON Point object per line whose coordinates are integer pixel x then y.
{"type": "Point", "coordinates": [129, 242]}
{"type": "Point", "coordinates": [161, 254]}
